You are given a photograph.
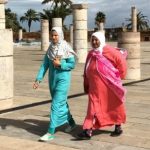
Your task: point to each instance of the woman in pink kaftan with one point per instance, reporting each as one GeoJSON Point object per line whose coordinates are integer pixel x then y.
{"type": "Point", "coordinates": [105, 67]}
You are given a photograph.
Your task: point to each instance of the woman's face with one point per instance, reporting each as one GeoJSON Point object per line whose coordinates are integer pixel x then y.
{"type": "Point", "coordinates": [55, 37]}
{"type": "Point", "coordinates": [95, 42]}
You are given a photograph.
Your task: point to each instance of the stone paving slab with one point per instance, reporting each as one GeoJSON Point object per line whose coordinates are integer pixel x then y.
{"type": "Point", "coordinates": [10, 143]}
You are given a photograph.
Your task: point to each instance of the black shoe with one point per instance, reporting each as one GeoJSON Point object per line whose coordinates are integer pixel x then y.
{"type": "Point", "coordinates": [117, 132]}
{"type": "Point", "coordinates": [70, 128]}
{"type": "Point", "coordinates": [84, 136]}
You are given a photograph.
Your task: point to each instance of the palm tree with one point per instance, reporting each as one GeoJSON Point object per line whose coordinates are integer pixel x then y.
{"type": "Point", "coordinates": [100, 18]}
{"type": "Point", "coordinates": [57, 2]}
{"type": "Point", "coordinates": [30, 15]}
{"type": "Point", "coordinates": [59, 9]}
{"type": "Point", "coordinates": [11, 20]}
{"type": "Point", "coordinates": [48, 15]}
{"type": "Point", "coordinates": [142, 22]}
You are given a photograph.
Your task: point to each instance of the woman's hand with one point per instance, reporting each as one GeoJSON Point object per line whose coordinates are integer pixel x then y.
{"type": "Point", "coordinates": [56, 62]}
{"type": "Point", "coordinates": [36, 84]}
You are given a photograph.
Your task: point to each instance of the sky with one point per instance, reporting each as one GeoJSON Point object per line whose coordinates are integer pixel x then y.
{"type": "Point", "coordinates": [116, 11]}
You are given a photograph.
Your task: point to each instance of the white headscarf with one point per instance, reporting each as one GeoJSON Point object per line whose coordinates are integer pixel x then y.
{"type": "Point", "coordinates": [101, 37]}
{"type": "Point", "coordinates": [62, 48]}
{"type": "Point", "coordinates": [59, 32]}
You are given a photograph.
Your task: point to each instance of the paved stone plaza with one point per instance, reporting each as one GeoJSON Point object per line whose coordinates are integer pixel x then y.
{"type": "Point", "coordinates": [23, 124]}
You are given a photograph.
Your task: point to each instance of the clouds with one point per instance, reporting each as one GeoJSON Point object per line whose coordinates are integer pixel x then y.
{"type": "Point", "coordinates": [116, 10]}
{"type": "Point", "coordinates": [86, 1]}
{"type": "Point", "coordinates": [20, 7]}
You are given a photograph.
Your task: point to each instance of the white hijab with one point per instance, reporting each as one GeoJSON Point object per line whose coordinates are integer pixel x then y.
{"type": "Point", "coordinates": [101, 37]}
{"type": "Point", "coordinates": [62, 48]}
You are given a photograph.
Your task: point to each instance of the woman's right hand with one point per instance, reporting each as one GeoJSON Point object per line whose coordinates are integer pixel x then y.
{"type": "Point", "coordinates": [36, 84]}
{"type": "Point", "coordinates": [56, 62]}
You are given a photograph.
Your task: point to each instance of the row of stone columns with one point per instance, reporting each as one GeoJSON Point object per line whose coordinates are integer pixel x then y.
{"type": "Point", "coordinates": [79, 36]}
{"type": "Point", "coordinates": [126, 40]}
{"type": "Point", "coordinates": [6, 61]}
{"type": "Point", "coordinates": [78, 31]}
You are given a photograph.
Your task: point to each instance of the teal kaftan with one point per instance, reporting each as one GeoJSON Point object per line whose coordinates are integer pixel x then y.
{"type": "Point", "coordinates": [59, 84]}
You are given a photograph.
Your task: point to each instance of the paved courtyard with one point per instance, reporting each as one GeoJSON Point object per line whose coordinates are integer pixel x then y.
{"type": "Point", "coordinates": [23, 124]}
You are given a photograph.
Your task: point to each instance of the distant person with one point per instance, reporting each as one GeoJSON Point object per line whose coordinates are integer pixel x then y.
{"type": "Point", "coordinates": [105, 67]}
{"type": "Point", "coordinates": [60, 60]}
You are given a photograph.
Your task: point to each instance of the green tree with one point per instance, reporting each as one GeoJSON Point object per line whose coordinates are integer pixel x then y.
{"type": "Point", "coordinates": [47, 14]}
{"type": "Point", "coordinates": [100, 18]}
{"type": "Point", "coordinates": [11, 20]}
{"type": "Point", "coordinates": [58, 2]}
{"type": "Point", "coordinates": [59, 9]}
{"type": "Point", "coordinates": [30, 15]}
{"type": "Point", "coordinates": [142, 22]}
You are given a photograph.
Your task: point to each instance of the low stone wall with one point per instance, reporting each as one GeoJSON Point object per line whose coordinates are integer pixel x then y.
{"type": "Point", "coordinates": [32, 36]}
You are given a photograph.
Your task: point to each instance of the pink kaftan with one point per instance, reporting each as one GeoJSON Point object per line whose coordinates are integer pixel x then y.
{"type": "Point", "coordinates": [105, 108]}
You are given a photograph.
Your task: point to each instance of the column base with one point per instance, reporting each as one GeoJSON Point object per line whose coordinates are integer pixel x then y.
{"type": "Point", "coordinates": [6, 103]}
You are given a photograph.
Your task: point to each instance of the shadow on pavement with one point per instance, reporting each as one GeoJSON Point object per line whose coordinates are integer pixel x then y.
{"type": "Point", "coordinates": [35, 126]}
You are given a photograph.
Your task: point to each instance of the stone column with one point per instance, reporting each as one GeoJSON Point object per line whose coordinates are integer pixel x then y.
{"type": "Point", "coordinates": [101, 26]}
{"type": "Point", "coordinates": [57, 22]}
{"type": "Point", "coordinates": [71, 35]}
{"type": "Point", "coordinates": [124, 28]}
{"type": "Point", "coordinates": [44, 35]}
{"type": "Point", "coordinates": [134, 19]}
{"type": "Point", "coordinates": [6, 61]}
{"type": "Point", "coordinates": [80, 36]}
{"type": "Point", "coordinates": [20, 34]}
{"type": "Point", "coordinates": [2, 14]}
{"type": "Point", "coordinates": [131, 42]}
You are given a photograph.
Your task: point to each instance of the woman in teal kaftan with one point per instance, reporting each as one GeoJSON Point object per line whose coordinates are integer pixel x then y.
{"type": "Point", "coordinates": [59, 60]}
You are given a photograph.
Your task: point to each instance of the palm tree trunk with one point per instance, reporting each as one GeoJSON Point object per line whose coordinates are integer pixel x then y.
{"type": "Point", "coordinates": [29, 24]}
